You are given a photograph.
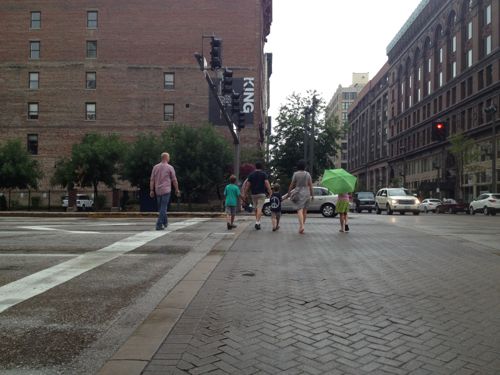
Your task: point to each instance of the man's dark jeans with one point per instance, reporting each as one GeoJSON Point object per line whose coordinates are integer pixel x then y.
{"type": "Point", "coordinates": [162, 210]}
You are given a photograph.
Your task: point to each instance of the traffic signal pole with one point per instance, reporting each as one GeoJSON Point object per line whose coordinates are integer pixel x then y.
{"type": "Point", "coordinates": [232, 128]}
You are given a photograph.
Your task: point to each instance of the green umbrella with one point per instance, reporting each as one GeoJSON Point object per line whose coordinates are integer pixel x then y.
{"type": "Point", "coordinates": [338, 181]}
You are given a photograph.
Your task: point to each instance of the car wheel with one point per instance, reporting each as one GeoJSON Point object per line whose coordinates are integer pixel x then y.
{"type": "Point", "coordinates": [486, 212]}
{"type": "Point", "coordinates": [402, 212]}
{"type": "Point", "coordinates": [328, 210]}
{"type": "Point", "coordinates": [369, 211]}
{"type": "Point", "coordinates": [266, 209]}
{"type": "Point", "coordinates": [416, 213]}
{"type": "Point", "coordinates": [471, 210]}
{"type": "Point", "coordinates": [426, 210]}
{"type": "Point", "coordinates": [389, 210]}
{"type": "Point", "coordinates": [434, 211]}
{"type": "Point", "coordinates": [378, 210]}
{"type": "Point", "coordinates": [358, 210]}
{"type": "Point", "coordinates": [450, 211]}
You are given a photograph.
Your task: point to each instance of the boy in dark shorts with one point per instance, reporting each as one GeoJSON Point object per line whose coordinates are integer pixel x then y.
{"type": "Point", "coordinates": [232, 194]}
{"type": "Point", "coordinates": [275, 202]}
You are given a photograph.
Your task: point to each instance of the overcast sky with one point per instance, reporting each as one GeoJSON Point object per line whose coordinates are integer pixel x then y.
{"type": "Point", "coordinates": [318, 44]}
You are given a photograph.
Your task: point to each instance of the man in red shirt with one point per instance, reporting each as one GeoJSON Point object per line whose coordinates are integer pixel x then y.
{"type": "Point", "coordinates": [162, 178]}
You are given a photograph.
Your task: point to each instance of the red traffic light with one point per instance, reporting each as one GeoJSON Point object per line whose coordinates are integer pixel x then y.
{"type": "Point", "coordinates": [439, 125]}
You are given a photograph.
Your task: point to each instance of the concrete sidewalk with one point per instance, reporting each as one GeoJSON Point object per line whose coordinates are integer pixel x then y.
{"type": "Point", "coordinates": [378, 300]}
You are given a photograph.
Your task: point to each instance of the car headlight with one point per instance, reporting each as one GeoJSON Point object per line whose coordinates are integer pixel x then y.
{"type": "Point", "coordinates": [418, 201]}
{"type": "Point", "coordinates": [394, 201]}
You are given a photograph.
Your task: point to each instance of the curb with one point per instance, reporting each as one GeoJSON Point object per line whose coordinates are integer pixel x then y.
{"type": "Point", "coordinates": [135, 353]}
{"type": "Point", "coordinates": [98, 215]}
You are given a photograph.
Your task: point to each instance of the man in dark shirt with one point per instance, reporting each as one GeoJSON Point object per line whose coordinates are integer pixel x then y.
{"type": "Point", "coordinates": [258, 184]}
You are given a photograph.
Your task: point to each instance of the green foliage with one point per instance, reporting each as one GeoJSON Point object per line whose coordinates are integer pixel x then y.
{"type": "Point", "coordinates": [140, 158]}
{"type": "Point", "coordinates": [465, 153]}
{"type": "Point", "coordinates": [288, 140]}
{"type": "Point", "coordinates": [200, 156]}
{"type": "Point", "coordinates": [96, 159]}
{"type": "Point", "coordinates": [17, 168]}
{"type": "Point", "coordinates": [64, 174]}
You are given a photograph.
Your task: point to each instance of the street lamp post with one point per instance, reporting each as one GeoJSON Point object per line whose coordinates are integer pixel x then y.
{"type": "Point", "coordinates": [403, 150]}
{"type": "Point", "coordinates": [492, 110]}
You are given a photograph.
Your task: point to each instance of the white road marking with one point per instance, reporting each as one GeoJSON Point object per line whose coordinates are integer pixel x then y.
{"type": "Point", "coordinates": [59, 230]}
{"type": "Point", "coordinates": [39, 282]}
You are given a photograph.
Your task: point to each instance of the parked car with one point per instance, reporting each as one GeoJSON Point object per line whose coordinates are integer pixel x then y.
{"type": "Point", "coordinates": [83, 202]}
{"type": "Point", "coordinates": [429, 204]}
{"type": "Point", "coordinates": [324, 201]}
{"type": "Point", "coordinates": [363, 200]}
{"type": "Point", "coordinates": [452, 206]}
{"type": "Point", "coordinates": [487, 203]}
{"type": "Point", "coordinates": [396, 200]}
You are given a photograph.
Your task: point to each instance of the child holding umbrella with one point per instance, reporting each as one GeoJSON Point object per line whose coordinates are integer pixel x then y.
{"type": "Point", "coordinates": [341, 182]}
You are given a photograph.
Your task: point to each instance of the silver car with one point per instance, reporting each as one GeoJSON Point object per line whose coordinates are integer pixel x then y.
{"type": "Point", "coordinates": [324, 201]}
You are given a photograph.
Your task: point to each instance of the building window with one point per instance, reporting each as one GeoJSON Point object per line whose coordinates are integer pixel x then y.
{"type": "Point", "coordinates": [419, 95]}
{"type": "Point", "coordinates": [91, 49]}
{"type": "Point", "coordinates": [487, 45]}
{"type": "Point", "coordinates": [440, 79]}
{"type": "Point", "coordinates": [429, 88]}
{"type": "Point", "coordinates": [440, 55]}
{"type": "Point", "coordinates": [33, 111]}
{"type": "Point", "coordinates": [420, 73]}
{"type": "Point", "coordinates": [487, 15]}
{"type": "Point", "coordinates": [90, 80]}
{"type": "Point", "coordinates": [35, 50]}
{"type": "Point", "coordinates": [168, 81]}
{"type": "Point", "coordinates": [34, 80]}
{"type": "Point", "coordinates": [469, 58]}
{"type": "Point", "coordinates": [469, 30]}
{"type": "Point", "coordinates": [90, 112]}
{"type": "Point", "coordinates": [453, 69]}
{"type": "Point", "coordinates": [168, 112]}
{"type": "Point", "coordinates": [489, 75]}
{"type": "Point", "coordinates": [454, 44]}
{"type": "Point", "coordinates": [429, 65]}
{"type": "Point", "coordinates": [36, 20]}
{"type": "Point", "coordinates": [92, 19]}
{"type": "Point", "coordinates": [32, 144]}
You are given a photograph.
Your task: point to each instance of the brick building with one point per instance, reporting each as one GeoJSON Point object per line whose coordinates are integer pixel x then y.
{"type": "Point", "coordinates": [68, 68]}
{"type": "Point", "coordinates": [443, 65]}
{"type": "Point", "coordinates": [337, 108]}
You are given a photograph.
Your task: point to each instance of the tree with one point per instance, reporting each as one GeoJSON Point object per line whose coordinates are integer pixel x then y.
{"type": "Point", "coordinates": [96, 159]}
{"type": "Point", "coordinates": [465, 154]}
{"type": "Point", "coordinates": [288, 140]}
{"type": "Point", "coordinates": [200, 156]}
{"type": "Point", "coordinates": [140, 158]}
{"type": "Point", "coordinates": [17, 168]}
{"type": "Point", "coordinates": [64, 174]}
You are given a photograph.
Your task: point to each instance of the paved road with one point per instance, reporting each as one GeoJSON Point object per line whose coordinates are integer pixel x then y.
{"type": "Point", "coordinates": [72, 290]}
{"type": "Point", "coordinates": [398, 294]}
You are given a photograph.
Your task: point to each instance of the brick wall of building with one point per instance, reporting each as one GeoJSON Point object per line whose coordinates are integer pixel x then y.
{"type": "Point", "coordinates": [137, 42]}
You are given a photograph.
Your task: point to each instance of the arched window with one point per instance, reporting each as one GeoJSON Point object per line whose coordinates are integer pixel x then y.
{"type": "Point", "coordinates": [438, 57]}
{"type": "Point", "coordinates": [417, 76]}
{"type": "Point", "coordinates": [427, 67]}
{"type": "Point", "coordinates": [401, 90]}
{"type": "Point", "coordinates": [451, 47]}
{"type": "Point", "coordinates": [485, 29]}
{"type": "Point", "coordinates": [467, 35]}
{"type": "Point", "coordinates": [408, 83]}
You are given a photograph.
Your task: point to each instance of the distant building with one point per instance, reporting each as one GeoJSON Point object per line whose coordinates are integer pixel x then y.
{"type": "Point", "coordinates": [68, 68]}
{"type": "Point", "coordinates": [337, 109]}
{"type": "Point", "coordinates": [443, 65]}
{"type": "Point", "coordinates": [367, 136]}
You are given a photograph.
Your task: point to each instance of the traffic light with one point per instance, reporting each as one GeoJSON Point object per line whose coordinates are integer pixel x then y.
{"type": "Point", "coordinates": [241, 120]}
{"type": "Point", "coordinates": [235, 102]}
{"type": "Point", "coordinates": [439, 131]}
{"type": "Point", "coordinates": [227, 82]}
{"type": "Point", "coordinates": [216, 53]}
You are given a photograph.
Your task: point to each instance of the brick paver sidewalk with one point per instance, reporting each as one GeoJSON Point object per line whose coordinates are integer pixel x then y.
{"type": "Point", "coordinates": [378, 300]}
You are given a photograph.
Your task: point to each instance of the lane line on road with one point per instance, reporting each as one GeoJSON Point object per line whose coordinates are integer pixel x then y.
{"type": "Point", "coordinates": [39, 282]}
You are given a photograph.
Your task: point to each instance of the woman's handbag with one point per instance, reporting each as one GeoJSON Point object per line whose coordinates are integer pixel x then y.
{"type": "Point", "coordinates": [294, 195]}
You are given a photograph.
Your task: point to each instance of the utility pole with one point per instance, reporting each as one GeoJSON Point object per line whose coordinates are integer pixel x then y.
{"type": "Point", "coordinates": [311, 144]}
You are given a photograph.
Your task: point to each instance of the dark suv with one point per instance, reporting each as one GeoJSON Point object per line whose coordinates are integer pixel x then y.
{"type": "Point", "coordinates": [363, 200]}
